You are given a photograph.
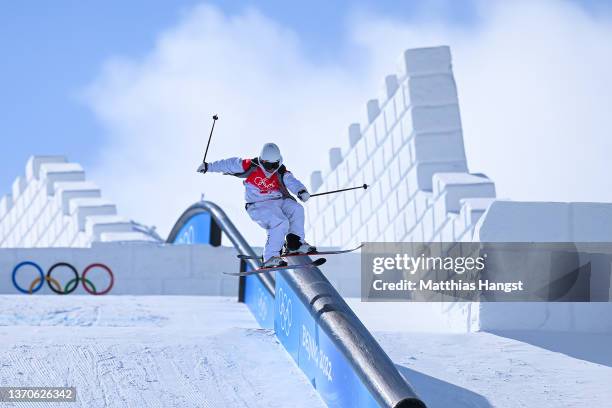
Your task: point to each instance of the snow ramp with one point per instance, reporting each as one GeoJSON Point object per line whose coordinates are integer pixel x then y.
{"type": "Point", "coordinates": [331, 346]}
{"type": "Point", "coordinates": [146, 351]}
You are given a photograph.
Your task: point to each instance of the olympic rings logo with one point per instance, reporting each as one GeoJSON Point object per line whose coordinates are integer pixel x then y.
{"type": "Point", "coordinates": [54, 284]}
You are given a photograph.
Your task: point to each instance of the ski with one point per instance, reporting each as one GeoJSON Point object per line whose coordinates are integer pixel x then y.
{"type": "Point", "coordinates": [316, 262]}
{"type": "Point", "coordinates": [342, 251]}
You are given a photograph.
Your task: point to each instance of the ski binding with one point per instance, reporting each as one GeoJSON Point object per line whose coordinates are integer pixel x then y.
{"type": "Point", "coordinates": [341, 251]}
{"type": "Point", "coordinates": [315, 263]}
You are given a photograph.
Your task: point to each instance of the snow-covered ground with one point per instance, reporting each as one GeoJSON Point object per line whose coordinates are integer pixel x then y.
{"type": "Point", "coordinates": [505, 369]}
{"type": "Point", "coordinates": [153, 351]}
{"type": "Point", "coordinates": [486, 370]}
{"type": "Point", "coordinates": [183, 351]}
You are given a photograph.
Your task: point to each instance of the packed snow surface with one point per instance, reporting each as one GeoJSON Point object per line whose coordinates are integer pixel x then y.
{"type": "Point", "coordinates": [485, 370]}
{"type": "Point", "coordinates": [184, 351]}
{"type": "Point", "coordinates": [503, 369]}
{"type": "Point", "coordinates": [149, 351]}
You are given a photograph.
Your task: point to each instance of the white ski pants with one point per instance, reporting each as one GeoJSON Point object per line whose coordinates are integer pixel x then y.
{"type": "Point", "coordinates": [278, 218]}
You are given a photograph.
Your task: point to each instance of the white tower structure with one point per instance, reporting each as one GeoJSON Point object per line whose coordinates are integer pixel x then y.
{"type": "Point", "coordinates": [53, 205]}
{"type": "Point", "coordinates": [410, 150]}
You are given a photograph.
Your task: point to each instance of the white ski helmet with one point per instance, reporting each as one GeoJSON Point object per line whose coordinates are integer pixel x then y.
{"type": "Point", "coordinates": [270, 158]}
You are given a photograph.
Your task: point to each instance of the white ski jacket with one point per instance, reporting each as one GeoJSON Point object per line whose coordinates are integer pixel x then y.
{"type": "Point", "coordinates": [259, 184]}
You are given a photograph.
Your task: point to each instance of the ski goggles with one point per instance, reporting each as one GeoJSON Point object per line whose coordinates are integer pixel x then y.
{"type": "Point", "coordinates": [270, 166]}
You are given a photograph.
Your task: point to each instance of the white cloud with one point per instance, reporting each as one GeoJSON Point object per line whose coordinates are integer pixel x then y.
{"type": "Point", "coordinates": [246, 68]}
{"type": "Point", "coordinates": [534, 89]}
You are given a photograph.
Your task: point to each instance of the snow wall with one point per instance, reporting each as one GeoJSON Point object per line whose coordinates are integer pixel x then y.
{"type": "Point", "coordinates": [54, 205]}
{"type": "Point", "coordinates": [508, 221]}
{"type": "Point", "coordinates": [139, 268]}
{"type": "Point", "coordinates": [148, 268]}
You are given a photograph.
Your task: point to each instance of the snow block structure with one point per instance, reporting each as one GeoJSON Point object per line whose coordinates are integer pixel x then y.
{"type": "Point", "coordinates": [53, 205]}
{"type": "Point", "coordinates": [410, 150]}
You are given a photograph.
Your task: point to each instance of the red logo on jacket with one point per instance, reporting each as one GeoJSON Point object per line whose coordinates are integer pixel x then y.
{"type": "Point", "coordinates": [258, 179]}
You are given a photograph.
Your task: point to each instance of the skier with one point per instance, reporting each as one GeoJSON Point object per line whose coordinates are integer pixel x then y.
{"type": "Point", "coordinates": [269, 203]}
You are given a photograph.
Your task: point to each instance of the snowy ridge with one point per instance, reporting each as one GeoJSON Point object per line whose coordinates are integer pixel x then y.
{"type": "Point", "coordinates": [53, 205]}
{"type": "Point", "coordinates": [410, 150]}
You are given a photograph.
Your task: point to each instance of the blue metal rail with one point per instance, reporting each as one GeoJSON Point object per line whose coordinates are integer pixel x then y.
{"type": "Point", "coordinates": [326, 339]}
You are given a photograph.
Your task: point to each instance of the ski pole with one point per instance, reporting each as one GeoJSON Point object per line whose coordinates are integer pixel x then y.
{"type": "Point", "coordinates": [215, 117]}
{"type": "Point", "coordinates": [365, 186]}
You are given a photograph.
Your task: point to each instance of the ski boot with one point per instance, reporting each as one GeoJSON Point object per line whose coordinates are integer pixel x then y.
{"type": "Point", "coordinates": [295, 245]}
{"type": "Point", "coordinates": [274, 262]}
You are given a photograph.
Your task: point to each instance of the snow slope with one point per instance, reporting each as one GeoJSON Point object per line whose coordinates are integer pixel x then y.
{"type": "Point", "coordinates": [478, 369]}
{"type": "Point", "coordinates": [486, 370]}
{"type": "Point", "coordinates": [155, 351]}
{"type": "Point", "coordinates": [183, 351]}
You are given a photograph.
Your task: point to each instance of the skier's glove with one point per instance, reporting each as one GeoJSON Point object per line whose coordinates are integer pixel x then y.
{"type": "Point", "coordinates": [303, 195]}
{"type": "Point", "coordinates": [203, 168]}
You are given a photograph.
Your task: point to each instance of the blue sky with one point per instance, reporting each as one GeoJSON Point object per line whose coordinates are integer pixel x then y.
{"type": "Point", "coordinates": [52, 52]}
{"type": "Point", "coordinates": [52, 55]}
